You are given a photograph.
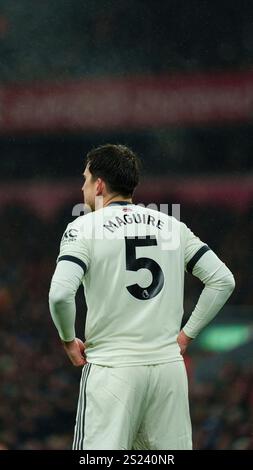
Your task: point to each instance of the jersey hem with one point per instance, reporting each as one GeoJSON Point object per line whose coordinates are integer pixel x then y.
{"type": "Point", "coordinates": [103, 363]}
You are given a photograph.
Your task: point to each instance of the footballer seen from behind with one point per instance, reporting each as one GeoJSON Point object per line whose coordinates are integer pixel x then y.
{"type": "Point", "coordinates": [131, 262]}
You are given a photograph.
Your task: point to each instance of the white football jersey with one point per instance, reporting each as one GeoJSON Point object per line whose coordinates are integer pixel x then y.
{"type": "Point", "coordinates": [134, 260]}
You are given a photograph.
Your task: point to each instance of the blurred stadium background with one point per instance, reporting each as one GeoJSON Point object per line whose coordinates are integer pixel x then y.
{"type": "Point", "coordinates": [174, 80]}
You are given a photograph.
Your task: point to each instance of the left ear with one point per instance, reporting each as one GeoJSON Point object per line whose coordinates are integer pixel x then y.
{"type": "Point", "coordinates": [100, 187]}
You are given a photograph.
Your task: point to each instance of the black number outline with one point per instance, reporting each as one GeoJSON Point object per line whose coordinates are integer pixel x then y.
{"type": "Point", "coordinates": [134, 264]}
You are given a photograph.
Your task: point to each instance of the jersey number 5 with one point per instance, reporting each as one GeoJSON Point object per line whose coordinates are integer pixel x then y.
{"type": "Point", "coordinates": [134, 264]}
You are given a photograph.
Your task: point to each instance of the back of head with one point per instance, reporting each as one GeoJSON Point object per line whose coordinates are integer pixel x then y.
{"type": "Point", "coordinates": [117, 165]}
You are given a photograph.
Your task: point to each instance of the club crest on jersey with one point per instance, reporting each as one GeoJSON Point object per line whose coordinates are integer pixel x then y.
{"type": "Point", "coordinates": [70, 235]}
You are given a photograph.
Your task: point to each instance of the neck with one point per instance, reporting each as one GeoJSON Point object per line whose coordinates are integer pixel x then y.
{"type": "Point", "coordinates": [109, 199]}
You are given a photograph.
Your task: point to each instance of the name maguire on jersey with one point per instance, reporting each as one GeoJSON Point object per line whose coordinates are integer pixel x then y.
{"type": "Point", "coordinates": [117, 222]}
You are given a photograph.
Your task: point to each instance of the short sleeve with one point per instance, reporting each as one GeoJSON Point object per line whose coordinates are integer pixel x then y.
{"type": "Point", "coordinates": [75, 246]}
{"type": "Point", "coordinates": [194, 248]}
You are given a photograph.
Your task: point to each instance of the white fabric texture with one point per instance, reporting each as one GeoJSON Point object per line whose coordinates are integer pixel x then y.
{"type": "Point", "coordinates": [219, 284]}
{"type": "Point", "coordinates": [65, 282]}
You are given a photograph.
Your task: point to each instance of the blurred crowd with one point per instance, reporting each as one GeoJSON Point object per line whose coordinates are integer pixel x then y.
{"type": "Point", "coordinates": [39, 387]}
{"type": "Point", "coordinates": [174, 152]}
{"type": "Point", "coordinates": [222, 410]}
{"type": "Point", "coordinates": [59, 39]}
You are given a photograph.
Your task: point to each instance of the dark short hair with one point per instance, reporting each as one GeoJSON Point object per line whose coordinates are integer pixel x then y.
{"type": "Point", "coordinates": [117, 165]}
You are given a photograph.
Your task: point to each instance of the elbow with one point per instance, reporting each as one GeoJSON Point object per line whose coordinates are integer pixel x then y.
{"type": "Point", "coordinates": [231, 283]}
{"type": "Point", "coordinates": [225, 283]}
{"type": "Point", "coordinates": [57, 296]}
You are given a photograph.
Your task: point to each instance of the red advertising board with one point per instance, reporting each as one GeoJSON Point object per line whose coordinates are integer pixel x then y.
{"type": "Point", "coordinates": [127, 103]}
{"type": "Point", "coordinates": [47, 198]}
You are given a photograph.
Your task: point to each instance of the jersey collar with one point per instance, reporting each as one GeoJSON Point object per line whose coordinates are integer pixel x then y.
{"type": "Point", "coordinates": [119, 203]}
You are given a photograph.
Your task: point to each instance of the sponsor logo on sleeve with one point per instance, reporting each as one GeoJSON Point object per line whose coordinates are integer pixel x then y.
{"type": "Point", "coordinates": [70, 235]}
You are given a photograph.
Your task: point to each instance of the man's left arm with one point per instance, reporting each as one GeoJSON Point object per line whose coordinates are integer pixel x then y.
{"type": "Point", "coordinates": [72, 264]}
{"type": "Point", "coordinates": [65, 282]}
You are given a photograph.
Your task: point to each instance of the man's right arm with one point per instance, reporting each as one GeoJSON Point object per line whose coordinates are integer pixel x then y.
{"type": "Point", "coordinates": [219, 285]}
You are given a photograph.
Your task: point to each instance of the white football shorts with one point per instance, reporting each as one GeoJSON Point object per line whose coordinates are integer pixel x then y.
{"type": "Point", "coordinates": [140, 407]}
